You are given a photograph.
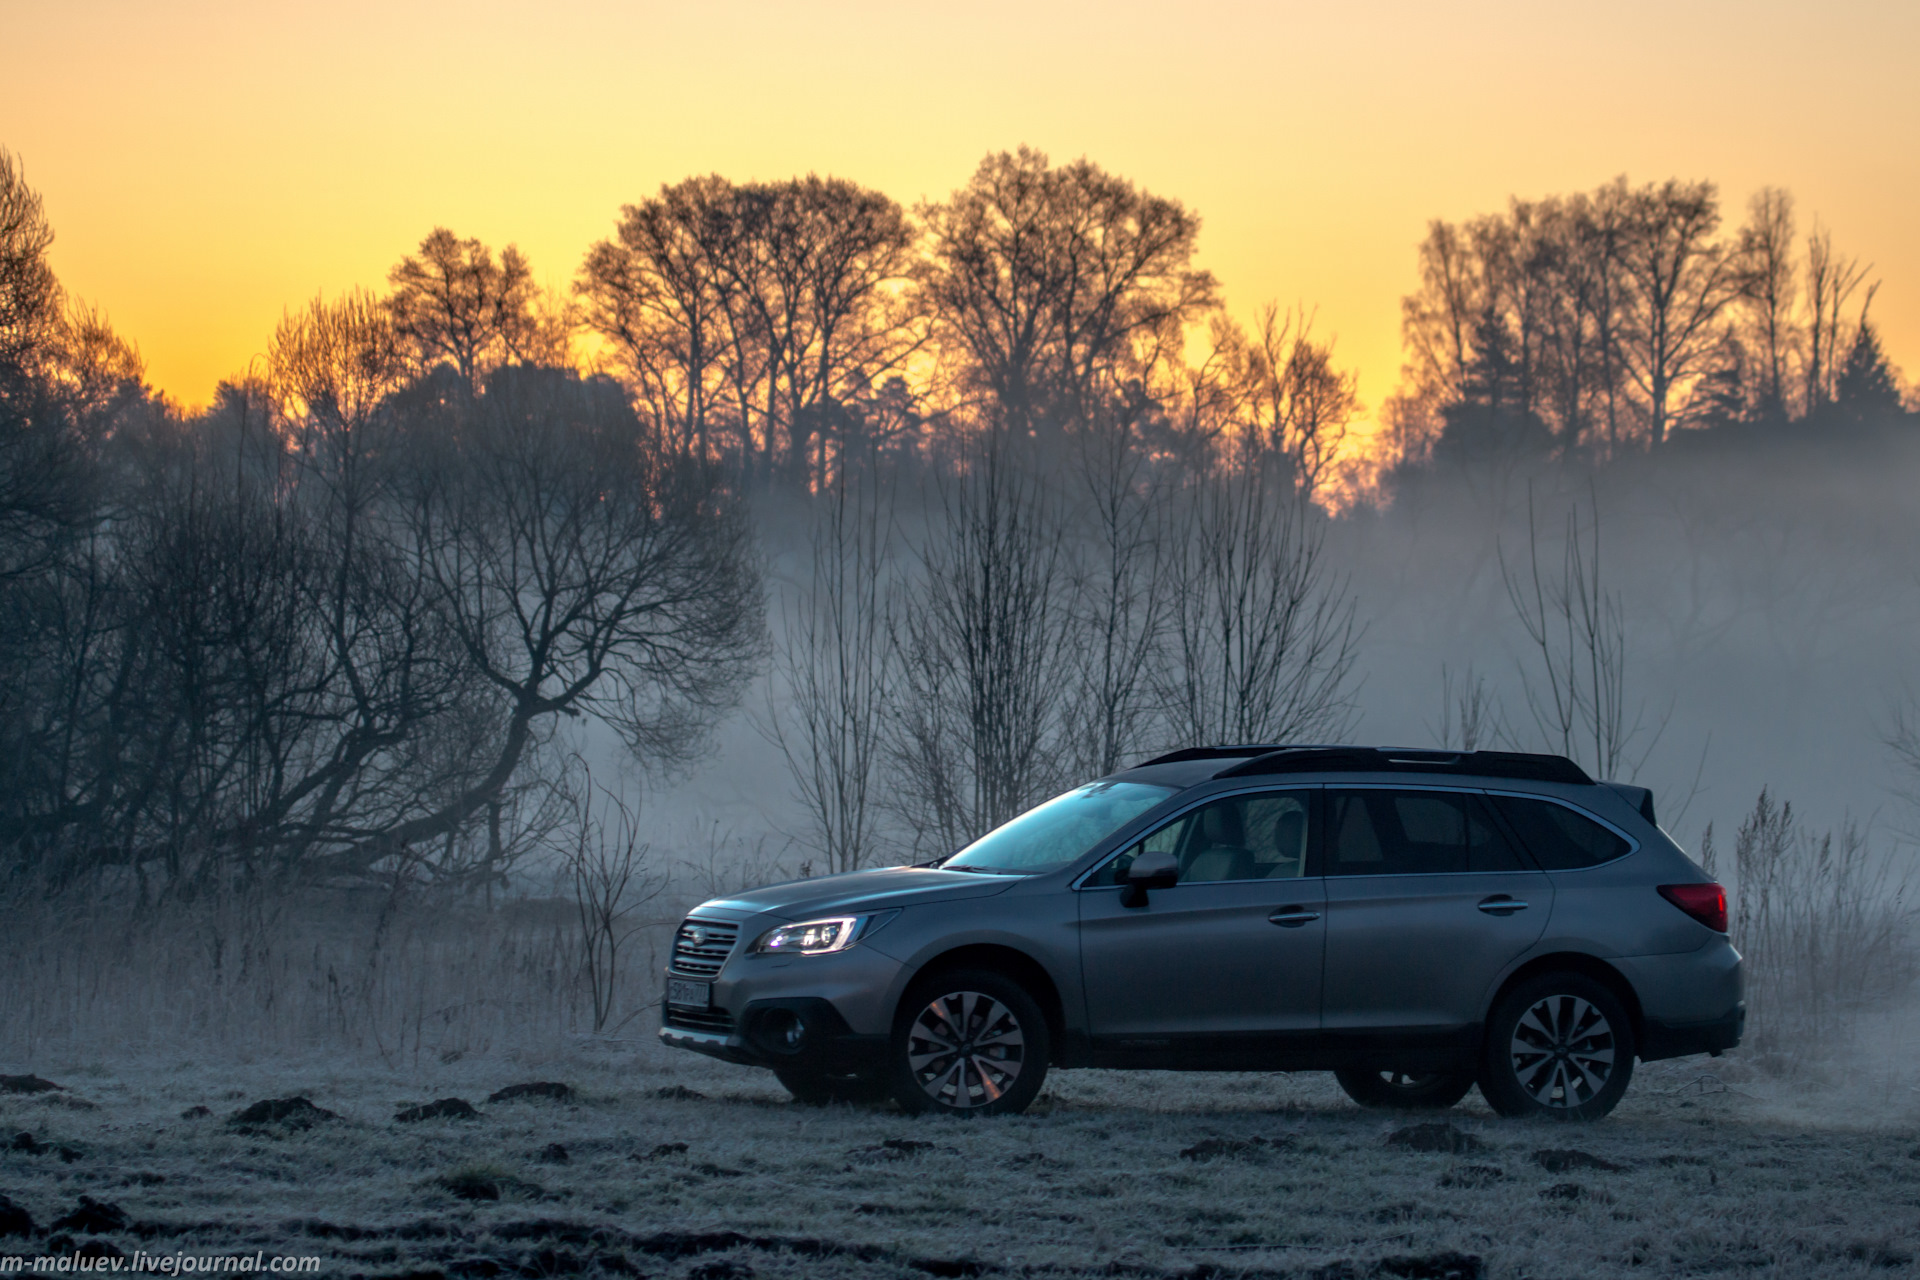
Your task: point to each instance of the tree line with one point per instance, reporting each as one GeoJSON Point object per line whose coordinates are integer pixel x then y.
{"type": "Point", "coordinates": [1056, 508]}
{"type": "Point", "coordinates": [1612, 319]}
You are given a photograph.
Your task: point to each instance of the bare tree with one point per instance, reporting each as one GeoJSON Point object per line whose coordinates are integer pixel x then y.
{"type": "Point", "coordinates": [1046, 279]}
{"type": "Point", "coordinates": [1120, 604]}
{"type": "Point", "coordinates": [1832, 280]}
{"type": "Point", "coordinates": [455, 303]}
{"type": "Point", "coordinates": [1469, 712]}
{"type": "Point", "coordinates": [1576, 629]}
{"type": "Point", "coordinates": [1768, 284]}
{"type": "Point", "coordinates": [982, 649]}
{"type": "Point", "coordinates": [608, 866]}
{"type": "Point", "coordinates": [836, 662]}
{"type": "Point", "coordinates": [1680, 280]}
{"type": "Point", "coordinates": [583, 568]}
{"type": "Point", "coordinates": [30, 295]}
{"type": "Point", "coordinates": [1261, 636]}
{"type": "Point", "coordinates": [653, 294]}
{"type": "Point", "coordinates": [813, 267]}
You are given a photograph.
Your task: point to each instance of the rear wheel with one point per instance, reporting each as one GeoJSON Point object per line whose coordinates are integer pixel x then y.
{"type": "Point", "coordinates": [1402, 1090]}
{"type": "Point", "coordinates": [968, 1042]}
{"type": "Point", "coordinates": [819, 1088]}
{"type": "Point", "coordinates": [1559, 1046]}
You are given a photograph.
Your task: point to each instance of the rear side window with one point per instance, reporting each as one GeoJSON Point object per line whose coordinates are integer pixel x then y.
{"type": "Point", "coordinates": [1381, 832]}
{"type": "Point", "coordinates": [1558, 838]}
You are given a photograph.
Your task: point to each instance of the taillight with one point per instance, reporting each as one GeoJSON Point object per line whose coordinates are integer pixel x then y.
{"type": "Point", "coordinates": [1706, 903]}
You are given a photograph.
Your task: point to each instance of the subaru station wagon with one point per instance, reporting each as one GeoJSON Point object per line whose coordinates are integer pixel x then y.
{"type": "Point", "coordinates": [1416, 922]}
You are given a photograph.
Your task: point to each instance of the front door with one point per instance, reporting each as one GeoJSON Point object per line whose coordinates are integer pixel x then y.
{"type": "Point", "coordinates": [1230, 955]}
{"type": "Point", "coordinates": [1427, 903]}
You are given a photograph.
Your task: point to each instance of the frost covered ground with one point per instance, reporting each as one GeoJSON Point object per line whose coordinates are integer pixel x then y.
{"type": "Point", "coordinates": [676, 1167]}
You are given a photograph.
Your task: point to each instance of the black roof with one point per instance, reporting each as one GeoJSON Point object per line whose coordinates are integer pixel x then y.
{"type": "Point", "coordinates": [1255, 760]}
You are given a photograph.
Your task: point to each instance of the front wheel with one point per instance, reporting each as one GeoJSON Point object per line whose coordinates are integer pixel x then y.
{"type": "Point", "coordinates": [968, 1042]}
{"type": "Point", "coordinates": [1390, 1090]}
{"type": "Point", "coordinates": [1559, 1046]}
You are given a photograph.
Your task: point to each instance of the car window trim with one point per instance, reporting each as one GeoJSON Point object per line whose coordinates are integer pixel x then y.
{"type": "Point", "coordinates": [1080, 881]}
{"type": "Point", "coordinates": [1634, 845]}
{"type": "Point", "coordinates": [1500, 824]}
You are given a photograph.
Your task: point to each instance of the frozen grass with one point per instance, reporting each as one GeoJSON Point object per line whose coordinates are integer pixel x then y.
{"type": "Point", "coordinates": [1720, 1174]}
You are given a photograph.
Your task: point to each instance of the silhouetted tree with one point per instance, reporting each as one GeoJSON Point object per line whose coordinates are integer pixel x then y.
{"type": "Point", "coordinates": [1832, 279]}
{"type": "Point", "coordinates": [1768, 283]}
{"type": "Point", "coordinates": [1867, 390]}
{"type": "Point", "coordinates": [1679, 281]}
{"type": "Point", "coordinates": [1048, 280]}
{"type": "Point", "coordinates": [453, 302]}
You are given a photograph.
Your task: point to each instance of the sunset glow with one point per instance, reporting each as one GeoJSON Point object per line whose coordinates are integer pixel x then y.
{"type": "Point", "coordinates": [208, 164]}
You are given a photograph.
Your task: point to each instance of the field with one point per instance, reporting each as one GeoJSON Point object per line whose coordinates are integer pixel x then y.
{"type": "Point", "coordinates": [670, 1166]}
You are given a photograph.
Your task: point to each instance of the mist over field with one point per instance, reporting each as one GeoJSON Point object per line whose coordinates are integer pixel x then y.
{"type": "Point", "coordinates": [365, 734]}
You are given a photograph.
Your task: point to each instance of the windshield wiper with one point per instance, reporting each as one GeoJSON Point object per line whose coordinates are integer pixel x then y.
{"type": "Point", "coordinates": [986, 871]}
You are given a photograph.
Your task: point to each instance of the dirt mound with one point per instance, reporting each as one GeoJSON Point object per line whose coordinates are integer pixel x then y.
{"type": "Point", "coordinates": [92, 1217]}
{"type": "Point", "coordinates": [1435, 1136]}
{"type": "Point", "coordinates": [14, 1220]}
{"type": "Point", "coordinates": [679, 1093]}
{"type": "Point", "coordinates": [891, 1149]}
{"type": "Point", "coordinates": [196, 1113]}
{"type": "Point", "coordinates": [1565, 1160]}
{"type": "Point", "coordinates": [547, 1090]}
{"type": "Point", "coordinates": [1217, 1148]}
{"type": "Point", "coordinates": [28, 1084]}
{"type": "Point", "coordinates": [1473, 1175]}
{"type": "Point", "coordinates": [444, 1109]}
{"type": "Point", "coordinates": [27, 1143]}
{"type": "Point", "coordinates": [281, 1113]}
{"type": "Point", "coordinates": [553, 1153]}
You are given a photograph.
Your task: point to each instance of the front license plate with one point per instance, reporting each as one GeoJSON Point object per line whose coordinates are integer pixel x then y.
{"type": "Point", "coordinates": [696, 995]}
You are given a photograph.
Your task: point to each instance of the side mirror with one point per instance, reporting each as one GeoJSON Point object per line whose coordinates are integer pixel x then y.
{"type": "Point", "coordinates": [1154, 869]}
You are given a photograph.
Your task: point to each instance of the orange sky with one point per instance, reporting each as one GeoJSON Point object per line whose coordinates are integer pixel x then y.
{"type": "Point", "coordinates": [208, 163]}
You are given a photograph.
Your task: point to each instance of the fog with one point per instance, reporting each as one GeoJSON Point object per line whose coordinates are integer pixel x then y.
{"type": "Point", "coordinates": [479, 630]}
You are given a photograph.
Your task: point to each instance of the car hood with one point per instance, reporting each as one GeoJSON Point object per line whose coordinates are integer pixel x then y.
{"type": "Point", "coordinates": [855, 892]}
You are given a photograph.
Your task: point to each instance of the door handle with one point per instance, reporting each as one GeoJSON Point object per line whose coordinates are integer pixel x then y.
{"type": "Point", "coordinates": [1501, 905]}
{"type": "Point", "coordinates": [1293, 917]}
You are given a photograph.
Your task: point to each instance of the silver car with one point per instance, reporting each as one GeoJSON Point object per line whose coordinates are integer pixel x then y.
{"type": "Point", "coordinates": [1415, 922]}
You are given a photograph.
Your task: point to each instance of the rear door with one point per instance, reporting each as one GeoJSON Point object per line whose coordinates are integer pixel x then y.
{"type": "Point", "coordinates": [1427, 902]}
{"type": "Point", "coordinates": [1232, 951]}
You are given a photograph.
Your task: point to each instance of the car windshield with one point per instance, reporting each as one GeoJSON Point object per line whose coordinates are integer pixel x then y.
{"type": "Point", "coordinates": [1059, 831]}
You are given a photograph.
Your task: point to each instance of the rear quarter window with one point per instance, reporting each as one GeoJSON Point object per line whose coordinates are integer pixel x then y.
{"type": "Point", "coordinates": [1559, 838]}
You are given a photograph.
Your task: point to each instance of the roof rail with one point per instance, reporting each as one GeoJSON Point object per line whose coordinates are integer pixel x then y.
{"type": "Point", "coordinates": [1241, 752]}
{"type": "Point", "coordinates": [1485, 764]}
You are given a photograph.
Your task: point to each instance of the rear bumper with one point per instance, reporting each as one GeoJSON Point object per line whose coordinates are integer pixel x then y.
{"type": "Point", "coordinates": [1678, 1039]}
{"type": "Point", "coordinates": [764, 1036]}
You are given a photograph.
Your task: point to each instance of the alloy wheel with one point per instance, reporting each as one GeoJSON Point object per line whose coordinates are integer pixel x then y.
{"type": "Point", "coordinates": [1562, 1051]}
{"type": "Point", "coordinates": [965, 1049]}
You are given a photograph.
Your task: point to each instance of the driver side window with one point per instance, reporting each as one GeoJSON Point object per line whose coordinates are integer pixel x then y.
{"type": "Point", "coordinates": [1262, 836]}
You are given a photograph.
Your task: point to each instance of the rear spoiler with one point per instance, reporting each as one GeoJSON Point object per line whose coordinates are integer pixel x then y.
{"type": "Point", "coordinates": [1639, 797]}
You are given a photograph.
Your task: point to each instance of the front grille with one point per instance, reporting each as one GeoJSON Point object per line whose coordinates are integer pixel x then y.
{"type": "Point", "coordinates": [701, 947]}
{"type": "Point", "coordinates": [699, 1019]}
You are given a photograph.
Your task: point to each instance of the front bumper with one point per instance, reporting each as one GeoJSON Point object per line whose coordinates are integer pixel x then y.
{"type": "Point", "coordinates": [797, 1033]}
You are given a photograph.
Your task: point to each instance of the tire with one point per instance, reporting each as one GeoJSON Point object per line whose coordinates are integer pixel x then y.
{"type": "Point", "coordinates": [1387, 1090]}
{"type": "Point", "coordinates": [820, 1088]}
{"type": "Point", "coordinates": [998, 1030]}
{"type": "Point", "coordinates": [1559, 1046]}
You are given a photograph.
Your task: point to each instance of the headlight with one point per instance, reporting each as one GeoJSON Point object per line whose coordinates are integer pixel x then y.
{"type": "Point", "coordinates": [818, 937]}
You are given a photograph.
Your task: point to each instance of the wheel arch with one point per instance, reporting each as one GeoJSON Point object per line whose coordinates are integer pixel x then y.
{"type": "Point", "coordinates": [1577, 962]}
{"type": "Point", "coordinates": [1012, 962]}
